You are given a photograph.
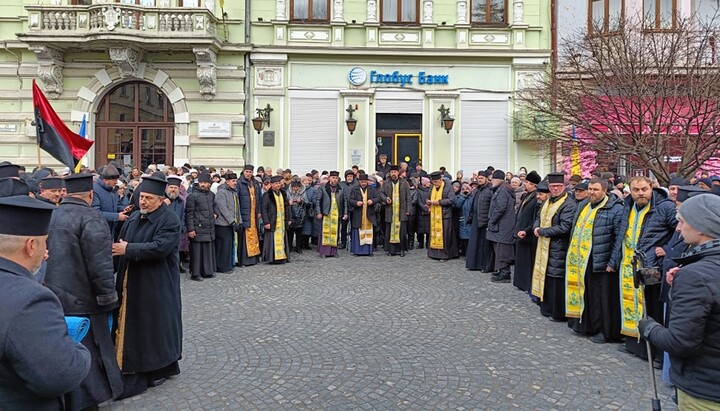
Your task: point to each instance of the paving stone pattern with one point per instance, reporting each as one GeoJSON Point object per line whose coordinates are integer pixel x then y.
{"type": "Point", "coordinates": [384, 333]}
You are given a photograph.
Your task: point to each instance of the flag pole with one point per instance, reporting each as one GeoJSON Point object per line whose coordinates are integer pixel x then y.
{"type": "Point", "coordinates": [38, 152]}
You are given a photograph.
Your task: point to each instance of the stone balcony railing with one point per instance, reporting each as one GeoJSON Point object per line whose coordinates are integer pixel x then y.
{"type": "Point", "coordinates": [79, 24]}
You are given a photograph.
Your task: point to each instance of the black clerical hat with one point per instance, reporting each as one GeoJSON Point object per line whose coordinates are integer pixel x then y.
{"type": "Point", "coordinates": [79, 183]}
{"type": "Point", "coordinates": [24, 216]}
{"type": "Point", "coordinates": [436, 175]}
{"type": "Point", "coordinates": [153, 185]}
{"type": "Point", "coordinates": [334, 173]}
{"type": "Point", "coordinates": [556, 178]}
{"type": "Point", "coordinates": [250, 167]}
{"type": "Point", "coordinates": [204, 178]}
{"type": "Point", "coordinates": [685, 192]}
{"type": "Point", "coordinates": [52, 183]}
{"type": "Point", "coordinates": [174, 181]}
{"type": "Point", "coordinates": [533, 177]}
{"type": "Point", "coordinates": [13, 187]}
{"type": "Point", "coordinates": [543, 187]}
{"type": "Point", "coordinates": [9, 170]}
{"type": "Point", "coordinates": [276, 179]}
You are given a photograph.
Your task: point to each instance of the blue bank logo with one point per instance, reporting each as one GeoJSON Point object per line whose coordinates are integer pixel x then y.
{"type": "Point", "coordinates": [357, 76]}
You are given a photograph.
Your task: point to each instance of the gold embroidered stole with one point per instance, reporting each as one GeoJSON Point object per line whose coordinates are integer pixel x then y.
{"type": "Point", "coordinates": [395, 223]}
{"type": "Point", "coordinates": [436, 218]}
{"type": "Point", "coordinates": [330, 223]}
{"type": "Point", "coordinates": [279, 234]}
{"type": "Point", "coordinates": [542, 252]}
{"type": "Point", "coordinates": [366, 228]}
{"type": "Point", "coordinates": [122, 319]}
{"type": "Point", "coordinates": [577, 260]}
{"type": "Point", "coordinates": [631, 306]}
{"type": "Point", "coordinates": [252, 241]}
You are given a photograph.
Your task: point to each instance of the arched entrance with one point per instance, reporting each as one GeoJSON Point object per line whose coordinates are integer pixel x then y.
{"type": "Point", "coordinates": [135, 124]}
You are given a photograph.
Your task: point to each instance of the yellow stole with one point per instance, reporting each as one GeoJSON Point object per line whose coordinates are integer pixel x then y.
{"type": "Point", "coordinates": [436, 219]}
{"type": "Point", "coordinates": [252, 242]}
{"type": "Point", "coordinates": [366, 228]}
{"type": "Point", "coordinates": [395, 223]}
{"type": "Point", "coordinates": [330, 223]}
{"type": "Point", "coordinates": [577, 260]}
{"type": "Point", "coordinates": [631, 306]}
{"type": "Point", "coordinates": [542, 252]}
{"type": "Point", "coordinates": [279, 234]}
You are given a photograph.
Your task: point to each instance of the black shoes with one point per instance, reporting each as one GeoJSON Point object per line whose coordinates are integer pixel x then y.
{"type": "Point", "coordinates": [196, 278]}
{"type": "Point", "coordinates": [500, 277]}
{"type": "Point", "coordinates": [598, 338]}
{"type": "Point", "coordinates": [402, 253]}
{"type": "Point", "coordinates": [209, 276]}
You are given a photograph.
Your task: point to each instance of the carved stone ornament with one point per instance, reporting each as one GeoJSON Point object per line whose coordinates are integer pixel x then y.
{"type": "Point", "coordinates": [111, 17]}
{"type": "Point", "coordinates": [518, 11]}
{"type": "Point", "coordinates": [280, 13]}
{"type": "Point", "coordinates": [462, 12]}
{"type": "Point", "coordinates": [427, 12]}
{"type": "Point", "coordinates": [206, 72]}
{"type": "Point", "coordinates": [338, 11]}
{"type": "Point", "coordinates": [50, 69]}
{"type": "Point", "coordinates": [126, 59]}
{"type": "Point", "coordinates": [372, 11]}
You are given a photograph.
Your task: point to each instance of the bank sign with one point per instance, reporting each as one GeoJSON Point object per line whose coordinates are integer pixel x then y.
{"type": "Point", "coordinates": [358, 76]}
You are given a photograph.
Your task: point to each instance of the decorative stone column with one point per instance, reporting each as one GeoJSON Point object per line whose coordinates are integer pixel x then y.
{"type": "Point", "coordinates": [427, 12]}
{"type": "Point", "coordinates": [518, 6]}
{"type": "Point", "coordinates": [206, 72]}
{"type": "Point", "coordinates": [372, 13]}
{"type": "Point", "coordinates": [50, 69]}
{"type": "Point", "coordinates": [280, 13]}
{"type": "Point", "coordinates": [462, 16]}
{"type": "Point", "coordinates": [338, 11]}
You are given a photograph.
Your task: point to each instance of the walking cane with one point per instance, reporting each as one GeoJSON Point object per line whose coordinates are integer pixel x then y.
{"type": "Point", "coordinates": [639, 278]}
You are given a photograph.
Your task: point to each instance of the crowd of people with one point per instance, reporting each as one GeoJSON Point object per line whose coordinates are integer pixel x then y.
{"type": "Point", "coordinates": [574, 245]}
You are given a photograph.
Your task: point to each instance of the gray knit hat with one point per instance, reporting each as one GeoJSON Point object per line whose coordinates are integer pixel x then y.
{"type": "Point", "coordinates": [702, 212]}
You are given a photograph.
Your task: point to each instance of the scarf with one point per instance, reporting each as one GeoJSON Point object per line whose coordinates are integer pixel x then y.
{"type": "Point", "coordinates": [279, 234]}
{"type": "Point", "coordinates": [436, 218]}
{"type": "Point", "coordinates": [577, 260]}
{"type": "Point", "coordinates": [631, 307]}
{"type": "Point", "coordinates": [252, 242]}
{"type": "Point", "coordinates": [395, 223]}
{"type": "Point", "coordinates": [542, 252]}
{"type": "Point", "coordinates": [330, 223]}
{"type": "Point", "coordinates": [366, 228]}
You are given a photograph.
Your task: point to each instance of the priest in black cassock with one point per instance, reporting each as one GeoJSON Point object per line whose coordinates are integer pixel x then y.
{"type": "Point", "coordinates": [362, 206]}
{"type": "Point", "coordinates": [526, 240]}
{"type": "Point", "coordinates": [395, 193]}
{"type": "Point", "coordinates": [249, 192]}
{"type": "Point", "coordinates": [277, 218]}
{"type": "Point", "coordinates": [441, 201]}
{"type": "Point", "coordinates": [148, 325]}
{"type": "Point", "coordinates": [479, 254]}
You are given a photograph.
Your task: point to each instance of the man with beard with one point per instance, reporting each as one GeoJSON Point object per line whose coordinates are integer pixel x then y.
{"type": "Point", "coordinates": [650, 225]}
{"type": "Point", "coordinates": [592, 293]}
{"type": "Point", "coordinates": [148, 324]}
{"type": "Point", "coordinates": [552, 228]}
{"type": "Point", "coordinates": [396, 196]}
{"type": "Point", "coordinates": [330, 207]}
{"type": "Point", "coordinates": [526, 241]}
{"type": "Point", "coordinates": [423, 212]}
{"type": "Point", "coordinates": [200, 223]}
{"type": "Point", "coordinates": [501, 226]}
{"type": "Point", "coordinates": [347, 186]}
{"type": "Point", "coordinates": [361, 202]}
{"type": "Point", "coordinates": [441, 201]}
{"type": "Point", "coordinates": [39, 362]}
{"type": "Point", "coordinates": [480, 254]}
{"type": "Point", "coordinates": [80, 272]}
{"type": "Point", "coordinates": [51, 190]}
{"type": "Point", "coordinates": [249, 192]}
{"type": "Point", "coordinates": [177, 205]}
{"type": "Point", "coordinates": [227, 223]}
{"type": "Point", "coordinates": [277, 218]}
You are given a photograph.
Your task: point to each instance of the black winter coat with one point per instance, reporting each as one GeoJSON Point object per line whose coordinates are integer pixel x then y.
{"type": "Point", "coordinates": [423, 211]}
{"type": "Point", "coordinates": [559, 233]}
{"type": "Point", "coordinates": [355, 196]}
{"type": "Point", "coordinates": [693, 335]}
{"type": "Point", "coordinates": [243, 189]}
{"type": "Point", "coordinates": [501, 220]}
{"type": "Point", "coordinates": [481, 206]}
{"type": "Point", "coordinates": [658, 226]}
{"type": "Point", "coordinates": [269, 210]}
{"type": "Point", "coordinates": [200, 215]}
{"type": "Point", "coordinates": [405, 198]}
{"type": "Point", "coordinates": [525, 217]}
{"type": "Point", "coordinates": [80, 267]}
{"type": "Point", "coordinates": [608, 233]}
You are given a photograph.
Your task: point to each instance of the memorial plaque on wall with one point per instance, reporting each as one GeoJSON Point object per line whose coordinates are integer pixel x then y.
{"type": "Point", "coordinates": [268, 138]}
{"type": "Point", "coordinates": [214, 129]}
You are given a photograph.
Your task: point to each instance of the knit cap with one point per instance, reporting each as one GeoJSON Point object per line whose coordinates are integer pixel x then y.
{"type": "Point", "coordinates": [702, 212]}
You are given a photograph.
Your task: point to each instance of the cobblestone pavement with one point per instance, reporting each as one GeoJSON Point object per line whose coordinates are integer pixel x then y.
{"type": "Point", "coordinates": [384, 333]}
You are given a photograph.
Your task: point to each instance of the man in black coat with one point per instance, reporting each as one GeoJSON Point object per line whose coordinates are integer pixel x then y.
{"type": "Point", "coordinates": [277, 216]}
{"type": "Point", "coordinates": [593, 265]}
{"type": "Point", "coordinates": [176, 204]}
{"type": "Point", "coordinates": [361, 203]}
{"type": "Point", "coordinates": [39, 362]}
{"type": "Point", "coordinates": [382, 167]}
{"type": "Point", "coordinates": [80, 272]}
{"type": "Point", "coordinates": [249, 192]}
{"type": "Point", "coordinates": [441, 202]}
{"type": "Point", "coordinates": [200, 222]}
{"type": "Point", "coordinates": [480, 253]}
{"type": "Point", "coordinates": [692, 337]}
{"type": "Point", "coordinates": [501, 226]}
{"type": "Point", "coordinates": [148, 325]}
{"type": "Point", "coordinates": [552, 228]}
{"type": "Point", "coordinates": [526, 241]}
{"type": "Point", "coordinates": [347, 186]}
{"type": "Point", "coordinates": [395, 194]}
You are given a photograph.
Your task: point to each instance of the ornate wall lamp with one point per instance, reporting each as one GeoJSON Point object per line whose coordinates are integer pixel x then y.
{"type": "Point", "coordinates": [446, 120]}
{"type": "Point", "coordinates": [351, 122]}
{"type": "Point", "coordinates": [263, 116]}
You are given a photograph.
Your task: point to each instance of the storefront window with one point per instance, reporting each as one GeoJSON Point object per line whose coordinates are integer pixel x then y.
{"type": "Point", "coordinates": [660, 14]}
{"type": "Point", "coordinates": [399, 11]}
{"type": "Point", "coordinates": [310, 10]}
{"type": "Point", "coordinates": [605, 16]}
{"type": "Point", "coordinates": [489, 11]}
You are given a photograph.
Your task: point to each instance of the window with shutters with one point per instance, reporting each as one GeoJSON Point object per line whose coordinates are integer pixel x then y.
{"type": "Point", "coordinates": [484, 135]}
{"type": "Point", "coordinates": [314, 130]}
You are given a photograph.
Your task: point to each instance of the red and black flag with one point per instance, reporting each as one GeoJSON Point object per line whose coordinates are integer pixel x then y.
{"type": "Point", "coordinates": [53, 136]}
